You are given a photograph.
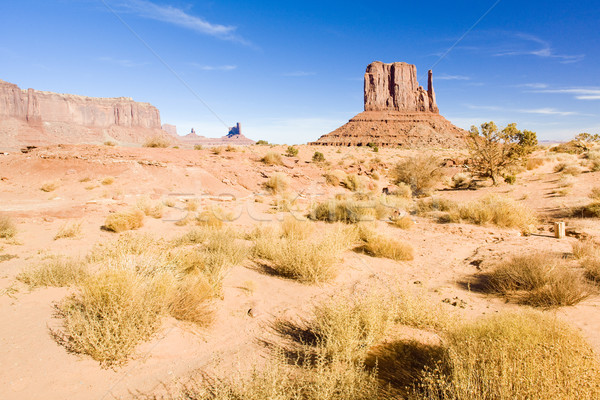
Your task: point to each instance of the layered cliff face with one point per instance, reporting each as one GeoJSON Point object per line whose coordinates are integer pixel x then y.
{"type": "Point", "coordinates": [36, 117]}
{"type": "Point", "coordinates": [398, 112]}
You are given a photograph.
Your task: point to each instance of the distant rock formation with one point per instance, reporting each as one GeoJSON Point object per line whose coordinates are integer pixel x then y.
{"type": "Point", "coordinates": [398, 112]}
{"type": "Point", "coordinates": [170, 129]}
{"type": "Point", "coordinates": [234, 138]}
{"type": "Point", "coordinates": [40, 118]}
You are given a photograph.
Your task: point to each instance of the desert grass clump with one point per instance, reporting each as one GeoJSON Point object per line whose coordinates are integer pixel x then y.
{"type": "Point", "coordinates": [56, 272]}
{"type": "Point", "coordinates": [591, 266]}
{"type": "Point", "coordinates": [461, 181]}
{"type": "Point", "coordinates": [501, 211]}
{"type": "Point", "coordinates": [211, 218]}
{"type": "Point", "coordinates": [157, 142]}
{"type": "Point", "coordinates": [422, 173]}
{"type": "Point", "coordinates": [68, 230]}
{"type": "Point", "coordinates": [272, 158]}
{"type": "Point", "coordinates": [318, 157]}
{"type": "Point", "coordinates": [192, 204]}
{"type": "Point", "coordinates": [343, 326]}
{"type": "Point", "coordinates": [110, 143]}
{"type": "Point", "coordinates": [109, 180]}
{"type": "Point", "coordinates": [113, 312]}
{"type": "Point", "coordinates": [567, 169]}
{"type": "Point", "coordinates": [378, 245]}
{"type": "Point", "coordinates": [310, 260]}
{"type": "Point", "coordinates": [124, 220]}
{"type": "Point", "coordinates": [8, 228]}
{"type": "Point", "coordinates": [335, 177]}
{"type": "Point", "coordinates": [277, 183]}
{"type": "Point", "coordinates": [519, 355]}
{"type": "Point", "coordinates": [344, 210]}
{"type": "Point", "coordinates": [191, 300]}
{"type": "Point", "coordinates": [148, 208]}
{"type": "Point", "coordinates": [585, 249]}
{"type": "Point", "coordinates": [354, 183]}
{"type": "Point", "coordinates": [534, 163]}
{"type": "Point", "coordinates": [50, 186]}
{"type": "Point", "coordinates": [403, 222]}
{"type": "Point", "coordinates": [294, 228]}
{"type": "Point", "coordinates": [539, 280]}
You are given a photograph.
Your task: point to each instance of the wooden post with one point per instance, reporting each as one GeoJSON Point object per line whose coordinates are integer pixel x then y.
{"type": "Point", "coordinates": [559, 230]}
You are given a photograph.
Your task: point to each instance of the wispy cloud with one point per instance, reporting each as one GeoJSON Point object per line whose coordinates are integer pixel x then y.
{"type": "Point", "coordinates": [542, 49]}
{"type": "Point", "coordinates": [299, 73]}
{"type": "Point", "coordinates": [533, 85]}
{"type": "Point", "coordinates": [121, 62]}
{"type": "Point", "coordinates": [445, 77]}
{"type": "Point", "coordinates": [538, 111]}
{"type": "Point", "coordinates": [548, 111]}
{"type": "Point", "coordinates": [214, 67]}
{"type": "Point", "coordinates": [179, 17]}
{"type": "Point", "coordinates": [579, 93]}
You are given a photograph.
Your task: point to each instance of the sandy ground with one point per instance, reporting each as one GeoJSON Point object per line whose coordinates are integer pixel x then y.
{"type": "Point", "coordinates": [446, 255]}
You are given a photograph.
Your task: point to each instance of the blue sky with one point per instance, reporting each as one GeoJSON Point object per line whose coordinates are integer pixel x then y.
{"type": "Point", "coordinates": [292, 71]}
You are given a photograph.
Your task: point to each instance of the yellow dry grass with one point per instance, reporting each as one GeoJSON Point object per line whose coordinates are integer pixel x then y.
{"type": "Point", "coordinates": [68, 230]}
{"type": "Point", "coordinates": [8, 228]}
{"type": "Point", "coordinates": [50, 186]}
{"type": "Point", "coordinates": [277, 183]}
{"type": "Point", "coordinates": [272, 158]}
{"type": "Point", "coordinates": [55, 271]}
{"type": "Point", "coordinates": [124, 220]}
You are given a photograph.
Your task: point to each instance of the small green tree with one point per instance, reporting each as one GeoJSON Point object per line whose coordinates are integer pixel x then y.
{"type": "Point", "coordinates": [318, 157]}
{"type": "Point", "coordinates": [494, 150]}
{"type": "Point", "coordinates": [291, 151]}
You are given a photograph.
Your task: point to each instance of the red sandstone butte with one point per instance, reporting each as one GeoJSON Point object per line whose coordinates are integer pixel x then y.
{"type": "Point", "coordinates": [32, 117]}
{"type": "Point", "coordinates": [398, 112]}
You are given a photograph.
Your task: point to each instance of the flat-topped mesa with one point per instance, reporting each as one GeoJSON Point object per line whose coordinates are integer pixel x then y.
{"type": "Point", "coordinates": [394, 87]}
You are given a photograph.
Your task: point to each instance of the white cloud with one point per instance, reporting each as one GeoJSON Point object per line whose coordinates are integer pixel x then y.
{"type": "Point", "coordinates": [444, 77]}
{"type": "Point", "coordinates": [299, 73]}
{"type": "Point", "coordinates": [543, 49]}
{"type": "Point", "coordinates": [548, 111]}
{"type": "Point", "coordinates": [579, 93]}
{"type": "Point", "coordinates": [533, 85]}
{"type": "Point", "coordinates": [179, 17]}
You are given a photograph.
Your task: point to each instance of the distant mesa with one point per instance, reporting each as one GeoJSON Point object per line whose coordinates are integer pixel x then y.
{"type": "Point", "coordinates": [398, 112]}
{"type": "Point", "coordinates": [36, 118]}
{"type": "Point", "coordinates": [234, 137]}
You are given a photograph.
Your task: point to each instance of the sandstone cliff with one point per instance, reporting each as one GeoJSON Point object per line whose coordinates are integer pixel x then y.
{"type": "Point", "coordinates": [36, 117]}
{"type": "Point", "coordinates": [398, 112]}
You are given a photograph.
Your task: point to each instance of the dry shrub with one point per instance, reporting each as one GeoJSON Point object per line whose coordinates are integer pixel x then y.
{"type": "Point", "coordinates": [277, 183]}
{"type": "Point", "coordinates": [501, 211]}
{"type": "Point", "coordinates": [198, 147]}
{"type": "Point", "coordinates": [272, 158]}
{"type": "Point", "coordinates": [191, 300]}
{"type": "Point", "coordinates": [534, 163]}
{"type": "Point", "coordinates": [124, 220]}
{"type": "Point", "coordinates": [110, 143]}
{"type": "Point", "coordinates": [169, 202]}
{"type": "Point", "coordinates": [520, 355]}
{"type": "Point", "coordinates": [217, 150]}
{"type": "Point", "coordinates": [568, 169]}
{"type": "Point", "coordinates": [461, 181]}
{"type": "Point", "coordinates": [68, 230]}
{"type": "Point", "coordinates": [539, 279]}
{"type": "Point", "coordinates": [591, 266]}
{"type": "Point", "coordinates": [148, 208]}
{"type": "Point", "coordinates": [294, 228]}
{"type": "Point", "coordinates": [50, 186]}
{"type": "Point", "coordinates": [114, 311]}
{"type": "Point", "coordinates": [109, 180]}
{"type": "Point", "coordinates": [8, 228]}
{"type": "Point", "coordinates": [422, 173]}
{"type": "Point", "coordinates": [354, 183]}
{"type": "Point", "coordinates": [343, 326]}
{"type": "Point", "coordinates": [192, 204]}
{"type": "Point", "coordinates": [211, 219]}
{"type": "Point", "coordinates": [585, 248]}
{"type": "Point", "coordinates": [345, 210]}
{"type": "Point", "coordinates": [378, 245]}
{"type": "Point", "coordinates": [335, 177]}
{"type": "Point", "coordinates": [85, 179]}
{"type": "Point", "coordinates": [319, 379]}
{"type": "Point", "coordinates": [310, 260]}
{"type": "Point", "coordinates": [403, 190]}
{"type": "Point", "coordinates": [157, 142]}
{"type": "Point", "coordinates": [403, 222]}
{"type": "Point", "coordinates": [55, 271]}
